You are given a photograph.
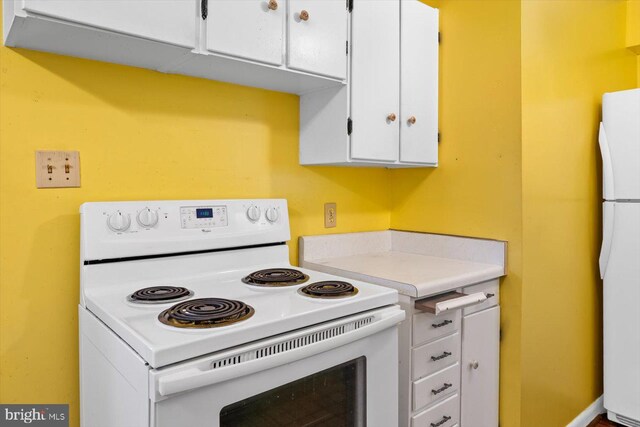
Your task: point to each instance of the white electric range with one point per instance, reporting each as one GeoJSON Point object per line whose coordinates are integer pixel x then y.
{"type": "Point", "coordinates": [191, 314]}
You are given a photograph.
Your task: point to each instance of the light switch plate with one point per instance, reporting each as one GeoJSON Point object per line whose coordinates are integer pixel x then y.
{"type": "Point", "coordinates": [330, 215]}
{"type": "Point", "coordinates": [57, 169]}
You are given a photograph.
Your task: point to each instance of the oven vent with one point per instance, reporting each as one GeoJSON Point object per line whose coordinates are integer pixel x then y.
{"type": "Point", "coordinates": [291, 344]}
{"type": "Point", "coordinates": [627, 421]}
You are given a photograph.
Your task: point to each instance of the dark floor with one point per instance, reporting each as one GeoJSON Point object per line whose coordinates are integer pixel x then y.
{"type": "Point", "coordinates": [602, 421]}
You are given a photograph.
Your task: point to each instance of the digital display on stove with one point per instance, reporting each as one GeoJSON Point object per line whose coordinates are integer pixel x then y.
{"type": "Point", "coordinates": [204, 213]}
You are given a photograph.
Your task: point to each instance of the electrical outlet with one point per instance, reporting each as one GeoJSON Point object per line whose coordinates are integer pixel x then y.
{"type": "Point", "coordinates": [57, 169]}
{"type": "Point", "coordinates": [330, 215]}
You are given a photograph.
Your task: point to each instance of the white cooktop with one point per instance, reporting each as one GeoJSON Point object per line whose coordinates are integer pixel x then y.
{"type": "Point", "coordinates": [277, 310]}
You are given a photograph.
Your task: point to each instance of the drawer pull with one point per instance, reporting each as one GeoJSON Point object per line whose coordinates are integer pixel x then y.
{"type": "Point", "coordinates": [441, 389]}
{"type": "Point", "coordinates": [439, 325]}
{"type": "Point", "coordinates": [442, 356]}
{"type": "Point", "coordinates": [490, 295]}
{"type": "Point", "coordinates": [442, 421]}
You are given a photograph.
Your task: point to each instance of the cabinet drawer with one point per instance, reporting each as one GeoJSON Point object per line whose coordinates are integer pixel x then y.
{"type": "Point", "coordinates": [444, 414]}
{"type": "Point", "coordinates": [435, 387]}
{"type": "Point", "coordinates": [435, 356]}
{"type": "Point", "coordinates": [491, 289]}
{"type": "Point", "coordinates": [427, 326]}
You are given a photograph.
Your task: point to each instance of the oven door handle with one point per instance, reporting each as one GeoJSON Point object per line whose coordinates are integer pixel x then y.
{"type": "Point", "coordinates": [203, 375]}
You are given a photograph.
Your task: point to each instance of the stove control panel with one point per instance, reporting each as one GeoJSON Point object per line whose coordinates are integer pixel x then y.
{"type": "Point", "coordinates": [203, 216]}
{"type": "Point", "coordinates": [114, 230]}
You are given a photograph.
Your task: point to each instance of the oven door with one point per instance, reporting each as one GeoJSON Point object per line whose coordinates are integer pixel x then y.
{"type": "Point", "coordinates": [339, 373]}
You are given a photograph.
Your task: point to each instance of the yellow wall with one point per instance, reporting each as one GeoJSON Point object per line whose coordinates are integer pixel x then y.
{"type": "Point", "coordinates": [535, 186]}
{"type": "Point", "coordinates": [476, 190]}
{"type": "Point", "coordinates": [141, 135]}
{"type": "Point", "coordinates": [633, 31]}
{"type": "Point", "coordinates": [633, 25]}
{"type": "Point", "coordinates": [572, 52]}
{"type": "Point", "coordinates": [520, 91]}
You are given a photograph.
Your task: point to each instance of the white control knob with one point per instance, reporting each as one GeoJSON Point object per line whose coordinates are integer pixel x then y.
{"type": "Point", "coordinates": [272, 214]}
{"type": "Point", "coordinates": [253, 213]}
{"type": "Point", "coordinates": [119, 221]}
{"type": "Point", "coordinates": [147, 218]}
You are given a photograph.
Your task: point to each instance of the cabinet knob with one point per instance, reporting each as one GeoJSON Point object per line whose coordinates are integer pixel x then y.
{"type": "Point", "coordinates": [474, 364]}
{"type": "Point", "coordinates": [273, 5]}
{"type": "Point", "coordinates": [304, 15]}
{"type": "Point", "coordinates": [391, 117]}
{"type": "Point", "coordinates": [412, 120]}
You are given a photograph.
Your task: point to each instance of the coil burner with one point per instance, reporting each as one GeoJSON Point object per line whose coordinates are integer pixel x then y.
{"type": "Point", "coordinates": [329, 289]}
{"type": "Point", "coordinates": [276, 277]}
{"type": "Point", "coordinates": [159, 295]}
{"type": "Point", "coordinates": [206, 313]}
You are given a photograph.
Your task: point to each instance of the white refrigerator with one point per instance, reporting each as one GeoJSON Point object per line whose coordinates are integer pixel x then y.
{"type": "Point", "coordinates": [620, 254]}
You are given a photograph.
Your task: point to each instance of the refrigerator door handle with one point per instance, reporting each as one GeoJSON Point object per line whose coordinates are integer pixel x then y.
{"type": "Point", "coordinates": [608, 218]}
{"type": "Point", "coordinates": [607, 167]}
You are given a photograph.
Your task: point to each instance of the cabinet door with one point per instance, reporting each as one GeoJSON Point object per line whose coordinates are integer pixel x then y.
{"type": "Point", "coordinates": [375, 80]}
{"type": "Point", "coordinates": [167, 21]}
{"type": "Point", "coordinates": [317, 31]}
{"type": "Point", "coordinates": [418, 83]}
{"type": "Point", "coordinates": [249, 29]}
{"type": "Point", "coordinates": [480, 368]}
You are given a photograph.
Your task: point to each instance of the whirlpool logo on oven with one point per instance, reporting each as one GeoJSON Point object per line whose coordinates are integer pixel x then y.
{"type": "Point", "coordinates": [37, 415]}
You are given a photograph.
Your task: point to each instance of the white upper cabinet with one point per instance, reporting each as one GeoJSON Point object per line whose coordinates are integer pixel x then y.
{"type": "Point", "coordinates": [248, 29]}
{"type": "Point", "coordinates": [166, 21]}
{"type": "Point", "coordinates": [317, 37]}
{"type": "Point", "coordinates": [418, 83]}
{"type": "Point", "coordinates": [237, 41]}
{"type": "Point", "coordinates": [375, 80]}
{"type": "Point", "coordinates": [388, 114]}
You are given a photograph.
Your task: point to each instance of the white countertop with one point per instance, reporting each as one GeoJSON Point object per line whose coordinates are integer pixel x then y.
{"type": "Point", "coordinates": [416, 264]}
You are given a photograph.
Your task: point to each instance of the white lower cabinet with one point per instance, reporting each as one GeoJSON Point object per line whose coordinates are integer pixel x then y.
{"type": "Point", "coordinates": [480, 368]}
{"type": "Point", "coordinates": [449, 363]}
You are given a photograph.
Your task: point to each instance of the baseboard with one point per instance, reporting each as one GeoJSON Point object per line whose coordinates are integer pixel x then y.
{"type": "Point", "coordinates": [586, 416]}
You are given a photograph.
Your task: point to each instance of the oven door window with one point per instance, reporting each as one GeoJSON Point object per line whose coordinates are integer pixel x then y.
{"type": "Point", "coordinates": [334, 397]}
